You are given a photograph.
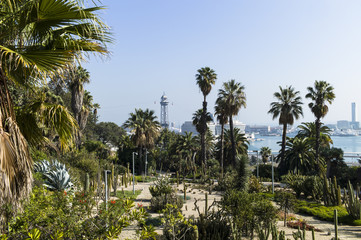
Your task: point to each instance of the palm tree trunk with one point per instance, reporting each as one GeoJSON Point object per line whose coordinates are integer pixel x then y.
{"type": "Point", "coordinates": [203, 135]}
{"type": "Point", "coordinates": [232, 140]}
{"type": "Point", "coordinates": [283, 149]}
{"type": "Point", "coordinates": [222, 150]}
{"type": "Point", "coordinates": [317, 124]}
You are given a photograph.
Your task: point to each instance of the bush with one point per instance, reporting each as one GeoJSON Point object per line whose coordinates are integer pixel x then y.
{"type": "Point", "coordinates": [162, 186]}
{"type": "Point", "coordinates": [254, 186]}
{"type": "Point", "coordinates": [265, 171]}
{"type": "Point", "coordinates": [158, 203]}
{"type": "Point", "coordinates": [325, 213]}
{"type": "Point", "coordinates": [213, 227]}
{"type": "Point", "coordinates": [247, 211]}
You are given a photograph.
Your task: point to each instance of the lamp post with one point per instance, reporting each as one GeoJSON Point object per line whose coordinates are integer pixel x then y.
{"type": "Point", "coordinates": [273, 181]}
{"type": "Point", "coordinates": [146, 162]}
{"type": "Point", "coordinates": [106, 187]}
{"type": "Point", "coordinates": [134, 172]}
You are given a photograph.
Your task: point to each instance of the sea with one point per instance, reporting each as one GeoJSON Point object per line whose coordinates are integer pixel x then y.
{"type": "Point", "coordinates": [351, 145]}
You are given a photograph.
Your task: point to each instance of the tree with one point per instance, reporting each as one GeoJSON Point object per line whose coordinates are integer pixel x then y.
{"type": "Point", "coordinates": [299, 155]}
{"type": "Point", "coordinates": [109, 132]}
{"type": "Point", "coordinates": [206, 77]}
{"type": "Point", "coordinates": [186, 148]}
{"type": "Point", "coordinates": [222, 119]}
{"type": "Point", "coordinates": [145, 130]}
{"type": "Point", "coordinates": [320, 95]}
{"type": "Point", "coordinates": [198, 122]}
{"type": "Point", "coordinates": [234, 98]}
{"type": "Point", "coordinates": [265, 153]}
{"type": "Point", "coordinates": [308, 130]}
{"type": "Point", "coordinates": [241, 145]}
{"type": "Point", "coordinates": [287, 108]}
{"type": "Point", "coordinates": [38, 38]}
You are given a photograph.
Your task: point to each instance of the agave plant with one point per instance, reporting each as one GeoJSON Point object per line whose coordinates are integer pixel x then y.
{"type": "Point", "coordinates": [55, 173]}
{"type": "Point", "coordinates": [41, 167]}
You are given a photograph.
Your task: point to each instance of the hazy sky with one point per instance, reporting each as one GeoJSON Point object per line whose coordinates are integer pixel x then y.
{"type": "Point", "coordinates": [160, 44]}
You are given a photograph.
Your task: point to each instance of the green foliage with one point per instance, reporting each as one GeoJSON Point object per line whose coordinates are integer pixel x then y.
{"type": "Point", "coordinates": [310, 186]}
{"type": "Point", "coordinates": [325, 213]}
{"type": "Point", "coordinates": [214, 226]}
{"type": "Point", "coordinates": [162, 186]}
{"type": "Point", "coordinates": [254, 186]}
{"type": "Point", "coordinates": [331, 192]}
{"type": "Point", "coordinates": [265, 171]}
{"type": "Point", "coordinates": [352, 202]}
{"type": "Point", "coordinates": [128, 194]}
{"type": "Point", "coordinates": [109, 132]}
{"type": "Point", "coordinates": [286, 201]}
{"type": "Point", "coordinates": [176, 226]}
{"type": "Point", "coordinates": [243, 172]}
{"type": "Point", "coordinates": [246, 211]}
{"type": "Point", "coordinates": [71, 215]}
{"type": "Point", "coordinates": [55, 175]}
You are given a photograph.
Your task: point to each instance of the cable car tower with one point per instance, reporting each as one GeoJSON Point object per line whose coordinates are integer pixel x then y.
{"type": "Point", "coordinates": [164, 120]}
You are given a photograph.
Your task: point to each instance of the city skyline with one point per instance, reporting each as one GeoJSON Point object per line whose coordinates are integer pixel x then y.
{"type": "Point", "coordinates": [265, 44]}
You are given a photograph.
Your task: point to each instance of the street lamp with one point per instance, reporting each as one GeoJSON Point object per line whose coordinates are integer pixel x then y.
{"type": "Point", "coordinates": [256, 151]}
{"type": "Point", "coordinates": [134, 172]}
{"type": "Point", "coordinates": [146, 162]}
{"type": "Point", "coordinates": [106, 187]}
{"type": "Point", "coordinates": [273, 178]}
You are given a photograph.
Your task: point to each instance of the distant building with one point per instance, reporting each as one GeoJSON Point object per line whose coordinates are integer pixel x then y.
{"type": "Point", "coordinates": [236, 124]}
{"type": "Point", "coordinates": [331, 126]}
{"type": "Point", "coordinates": [261, 129]}
{"type": "Point", "coordinates": [343, 124]}
{"type": "Point", "coordinates": [188, 126]}
{"type": "Point", "coordinates": [354, 124]}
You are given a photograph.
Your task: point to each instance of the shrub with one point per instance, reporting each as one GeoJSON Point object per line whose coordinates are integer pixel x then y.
{"type": "Point", "coordinates": [158, 203]}
{"type": "Point", "coordinates": [214, 226]}
{"type": "Point", "coordinates": [301, 224]}
{"type": "Point", "coordinates": [254, 186]}
{"type": "Point", "coordinates": [162, 186]}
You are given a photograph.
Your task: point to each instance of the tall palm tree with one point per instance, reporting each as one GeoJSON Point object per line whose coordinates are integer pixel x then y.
{"type": "Point", "coordinates": [186, 147]}
{"type": "Point", "coordinates": [198, 121]}
{"type": "Point", "coordinates": [206, 77]}
{"type": "Point", "coordinates": [78, 77]}
{"type": "Point", "coordinates": [287, 108]}
{"type": "Point", "coordinates": [145, 130]}
{"type": "Point", "coordinates": [38, 38]}
{"type": "Point", "coordinates": [234, 98]}
{"type": "Point", "coordinates": [222, 118]}
{"type": "Point", "coordinates": [320, 95]}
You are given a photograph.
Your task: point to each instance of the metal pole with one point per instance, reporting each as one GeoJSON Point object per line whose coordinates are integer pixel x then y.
{"type": "Point", "coordinates": [273, 181]}
{"type": "Point", "coordinates": [134, 173]}
{"type": "Point", "coordinates": [106, 189]}
{"type": "Point", "coordinates": [146, 162]}
{"type": "Point", "coordinates": [257, 165]}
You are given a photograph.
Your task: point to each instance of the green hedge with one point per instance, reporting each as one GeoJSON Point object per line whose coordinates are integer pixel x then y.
{"type": "Point", "coordinates": [325, 213]}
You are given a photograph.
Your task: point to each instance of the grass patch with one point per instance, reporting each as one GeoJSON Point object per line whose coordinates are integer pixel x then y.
{"type": "Point", "coordinates": [326, 213]}
{"type": "Point", "coordinates": [182, 197]}
{"type": "Point", "coordinates": [144, 179]}
{"type": "Point", "coordinates": [154, 221]}
{"type": "Point", "coordinates": [128, 194]}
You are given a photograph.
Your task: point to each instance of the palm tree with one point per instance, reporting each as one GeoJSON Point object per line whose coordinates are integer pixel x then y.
{"type": "Point", "coordinates": [145, 130]}
{"type": "Point", "coordinates": [198, 122]}
{"type": "Point", "coordinates": [287, 108]}
{"type": "Point", "coordinates": [186, 147]}
{"type": "Point", "coordinates": [265, 153]}
{"type": "Point", "coordinates": [299, 155]}
{"type": "Point", "coordinates": [234, 98]}
{"type": "Point", "coordinates": [222, 119]}
{"type": "Point", "coordinates": [308, 130]}
{"type": "Point", "coordinates": [78, 77]}
{"type": "Point", "coordinates": [320, 95]}
{"type": "Point", "coordinates": [206, 77]}
{"type": "Point", "coordinates": [37, 40]}
{"type": "Point", "coordinates": [241, 144]}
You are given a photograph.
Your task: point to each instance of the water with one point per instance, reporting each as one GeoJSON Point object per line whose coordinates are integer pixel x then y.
{"type": "Point", "coordinates": [349, 144]}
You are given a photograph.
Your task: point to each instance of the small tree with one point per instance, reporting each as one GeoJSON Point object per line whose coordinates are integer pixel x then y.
{"type": "Point", "coordinates": [286, 201]}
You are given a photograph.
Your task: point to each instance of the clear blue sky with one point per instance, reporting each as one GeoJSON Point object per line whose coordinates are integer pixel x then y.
{"type": "Point", "coordinates": [159, 45]}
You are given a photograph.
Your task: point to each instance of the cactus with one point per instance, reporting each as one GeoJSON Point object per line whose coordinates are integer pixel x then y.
{"type": "Point", "coordinates": [86, 182]}
{"type": "Point", "coordinates": [353, 205]}
{"type": "Point", "coordinates": [177, 179]}
{"type": "Point", "coordinates": [336, 223]}
{"type": "Point", "coordinates": [185, 191]}
{"type": "Point", "coordinates": [299, 235]}
{"type": "Point", "coordinates": [313, 233]}
{"type": "Point", "coordinates": [206, 205]}
{"type": "Point", "coordinates": [331, 192]}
